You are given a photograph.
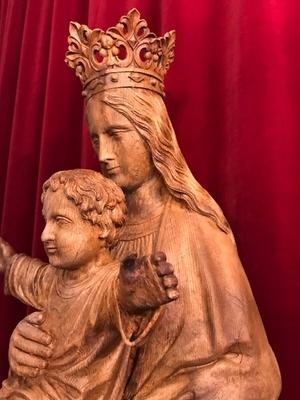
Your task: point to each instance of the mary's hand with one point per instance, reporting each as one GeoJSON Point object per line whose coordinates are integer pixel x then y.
{"type": "Point", "coordinates": [29, 347]}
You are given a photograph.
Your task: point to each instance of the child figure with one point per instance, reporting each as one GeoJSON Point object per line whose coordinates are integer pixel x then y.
{"type": "Point", "coordinates": [95, 309]}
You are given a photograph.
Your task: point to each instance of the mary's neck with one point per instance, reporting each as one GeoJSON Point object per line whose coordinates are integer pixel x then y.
{"type": "Point", "coordinates": [144, 200]}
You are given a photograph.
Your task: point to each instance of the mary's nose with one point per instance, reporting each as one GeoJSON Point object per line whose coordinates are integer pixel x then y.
{"type": "Point", "coordinates": [48, 233]}
{"type": "Point", "coordinates": [105, 149]}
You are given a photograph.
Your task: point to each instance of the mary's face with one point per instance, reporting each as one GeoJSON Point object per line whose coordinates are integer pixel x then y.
{"type": "Point", "coordinates": [124, 156]}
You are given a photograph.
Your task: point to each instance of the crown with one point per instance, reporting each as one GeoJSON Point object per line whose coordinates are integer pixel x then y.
{"type": "Point", "coordinates": [126, 55]}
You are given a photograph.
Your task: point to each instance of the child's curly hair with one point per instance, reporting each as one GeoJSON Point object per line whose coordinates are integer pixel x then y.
{"type": "Point", "coordinates": [99, 200]}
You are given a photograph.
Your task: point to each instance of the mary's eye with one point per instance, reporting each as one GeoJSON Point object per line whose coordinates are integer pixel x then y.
{"type": "Point", "coordinates": [115, 136]}
{"type": "Point", "coordinates": [117, 132]}
{"type": "Point", "coordinates": [95, 140]}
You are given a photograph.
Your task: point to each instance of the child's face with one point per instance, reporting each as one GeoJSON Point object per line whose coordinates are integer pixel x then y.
{"type": "Point", "coordinates": [69, 241]}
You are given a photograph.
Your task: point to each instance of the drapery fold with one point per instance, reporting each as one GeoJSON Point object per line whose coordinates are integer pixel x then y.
{"type": "Point", "coordinates": [233, 94]}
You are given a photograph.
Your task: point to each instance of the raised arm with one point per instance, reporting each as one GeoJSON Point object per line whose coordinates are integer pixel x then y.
{"type": "Point", "coordinates": [26, 278]}
{"type": "Point", "coordinates": [29, 345]}
{"type": "Point", "coordinates": [6, 253]}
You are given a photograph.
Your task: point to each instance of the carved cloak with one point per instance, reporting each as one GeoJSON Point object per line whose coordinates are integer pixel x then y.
{"type": "Point", "coordinates": [210, 343]}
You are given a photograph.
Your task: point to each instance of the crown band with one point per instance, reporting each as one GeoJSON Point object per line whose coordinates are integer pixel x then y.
{"type": "Point", "coordinates": [123, 78]}
{"type": "Point", "coordinates": [127, 55]}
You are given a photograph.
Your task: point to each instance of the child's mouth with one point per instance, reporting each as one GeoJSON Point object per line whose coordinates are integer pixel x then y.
{"type": "Point", "coordinates": [50, 250]}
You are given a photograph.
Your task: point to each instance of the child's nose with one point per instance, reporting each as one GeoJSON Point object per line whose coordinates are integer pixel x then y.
{"type": "Point", "coordinates": [48, 233]}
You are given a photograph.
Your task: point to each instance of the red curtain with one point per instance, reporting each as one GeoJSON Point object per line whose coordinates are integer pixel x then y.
{"type": "Point", "coordinates": [233, 94]}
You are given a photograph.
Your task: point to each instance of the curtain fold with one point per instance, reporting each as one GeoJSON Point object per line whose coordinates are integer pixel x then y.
{"type": "Point", "coordinates": [233, 94]}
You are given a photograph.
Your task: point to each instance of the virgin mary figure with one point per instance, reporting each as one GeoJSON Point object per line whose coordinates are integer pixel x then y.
{"type": "Point", "coordinates": [210, 343]}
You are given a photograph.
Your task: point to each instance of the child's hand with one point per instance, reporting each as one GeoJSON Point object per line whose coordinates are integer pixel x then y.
{"type": "Point", "coordinates": [147, 282]}
{"type": "Point", "coordinates": [6, 252]}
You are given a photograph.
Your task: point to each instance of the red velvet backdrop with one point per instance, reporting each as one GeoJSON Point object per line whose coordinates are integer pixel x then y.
{"type": "Point", "coordinates": [233, 96]}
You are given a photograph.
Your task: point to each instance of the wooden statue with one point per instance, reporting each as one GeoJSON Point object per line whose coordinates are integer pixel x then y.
{"type": "Point", "coordinates": [210, 343]}
{"type": "Point", "coordinates": [94, 309]}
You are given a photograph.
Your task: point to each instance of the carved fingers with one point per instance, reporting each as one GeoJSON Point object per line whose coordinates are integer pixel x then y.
{"type": "Point", "coordinates": [21, 361]}
{"type": "Point", "coordinates": [35, 318]}
{"type": "Point", "coordinates": [165, 271]}
{"type": "Point", "coordinates": [29, 347]}
{"type": "Point", "coordinates": [34, 333]}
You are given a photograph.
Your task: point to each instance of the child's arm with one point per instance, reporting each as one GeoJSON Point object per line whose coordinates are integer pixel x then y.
{"type": "Point", "coordinates": [26, 278]}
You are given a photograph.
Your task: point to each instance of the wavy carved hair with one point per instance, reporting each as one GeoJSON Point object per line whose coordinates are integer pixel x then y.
{"type": "Point", "coordinates": [148, 114]}
{"type": "Point", "coordinates": [99, 200]}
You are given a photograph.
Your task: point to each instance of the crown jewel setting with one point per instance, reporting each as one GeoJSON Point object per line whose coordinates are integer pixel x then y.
{"type": "Point", "coordinates": [126, 55]}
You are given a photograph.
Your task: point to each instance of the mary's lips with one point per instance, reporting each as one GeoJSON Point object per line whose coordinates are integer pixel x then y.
{"type": "Point", "coordinates": [111, 168]}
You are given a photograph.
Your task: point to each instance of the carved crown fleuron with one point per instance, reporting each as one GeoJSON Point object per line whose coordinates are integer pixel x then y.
{"type": "Point", "coordinates": [126, 55]}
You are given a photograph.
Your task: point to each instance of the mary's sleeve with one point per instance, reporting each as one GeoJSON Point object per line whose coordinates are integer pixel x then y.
{"type": "Point", "coordinates": [29, 280]}
{"type": "Point", "coordinates": [242, 364]}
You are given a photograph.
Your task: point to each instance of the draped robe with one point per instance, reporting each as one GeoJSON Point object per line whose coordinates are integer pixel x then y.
{"type": "Point", "coordinates": [210, 343]}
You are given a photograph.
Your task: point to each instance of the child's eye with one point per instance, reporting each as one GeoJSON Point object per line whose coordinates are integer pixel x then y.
{"type": "Point", "coordinates": [61, 220]}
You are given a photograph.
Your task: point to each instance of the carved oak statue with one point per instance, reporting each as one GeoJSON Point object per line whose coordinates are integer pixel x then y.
{"type": "Point", "coordinates": [210, 343]}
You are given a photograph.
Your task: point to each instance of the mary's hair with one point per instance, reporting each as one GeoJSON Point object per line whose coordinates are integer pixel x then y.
{"type": "Point", "coordinates": [147, 113]}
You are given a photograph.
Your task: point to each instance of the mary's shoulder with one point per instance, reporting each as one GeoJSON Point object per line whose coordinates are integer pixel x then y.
{"type": "Point", "coordinates": [198, 225]}
{"type": "Point", "coordinates": [204, 247]}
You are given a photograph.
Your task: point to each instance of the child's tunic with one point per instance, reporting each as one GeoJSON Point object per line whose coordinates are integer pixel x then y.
{"type": "Point", "coordinates": [89, 354]}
